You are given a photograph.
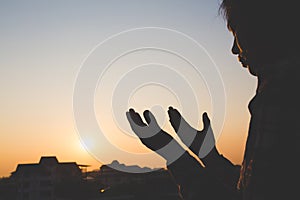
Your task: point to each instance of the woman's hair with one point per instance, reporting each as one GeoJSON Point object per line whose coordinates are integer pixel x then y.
{"type": "Point", "coordinates": [228, 9]}
{"type": "Point", "coordinates": [269, 21]}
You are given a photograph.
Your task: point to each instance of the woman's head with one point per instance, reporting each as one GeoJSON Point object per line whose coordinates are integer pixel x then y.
{"type": "Point", "coordinates": [265, 31]}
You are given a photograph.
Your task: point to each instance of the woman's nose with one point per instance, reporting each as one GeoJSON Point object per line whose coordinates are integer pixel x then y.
{"type": "Point", "coordinates": [235, 48]}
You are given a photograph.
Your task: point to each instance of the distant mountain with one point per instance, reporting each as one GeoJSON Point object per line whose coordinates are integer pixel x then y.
{"type": "Point", "coordinates": [130, 168]}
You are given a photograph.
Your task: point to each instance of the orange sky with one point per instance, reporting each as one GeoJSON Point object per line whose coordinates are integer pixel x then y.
{"type": "Point", "coordinates": [43, 46]}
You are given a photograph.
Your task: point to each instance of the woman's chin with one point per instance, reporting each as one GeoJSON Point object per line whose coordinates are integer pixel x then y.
{"type": "Point", "coordinates": [252, 70]}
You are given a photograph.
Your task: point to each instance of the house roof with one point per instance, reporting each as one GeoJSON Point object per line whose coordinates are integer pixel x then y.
{"type": "Point", "coordinates": [43, 166]}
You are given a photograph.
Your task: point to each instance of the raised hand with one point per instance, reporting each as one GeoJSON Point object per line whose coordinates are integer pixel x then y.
{"type": "Point", "coordinates": [217, 164]}
{"type": "Point", "coordinates": [193, 138]}
{"type": "Point", "coordinates": [186, 170]}
{"type": "Point", "coordinates": [152, 136]}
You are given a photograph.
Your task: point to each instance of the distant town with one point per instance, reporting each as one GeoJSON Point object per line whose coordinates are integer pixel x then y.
{"type": "Point", "coordinates": [50, 179]}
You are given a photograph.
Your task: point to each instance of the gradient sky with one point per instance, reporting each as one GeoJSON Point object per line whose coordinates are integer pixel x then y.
{"type": "Point", "coordinates": [43, 46]}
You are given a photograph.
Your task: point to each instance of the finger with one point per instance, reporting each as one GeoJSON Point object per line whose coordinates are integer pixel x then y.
{"type": "Point", "coordinates": [137, 129]}
{"type": "Point", "coordinates": [150, 119]}
{"type": "Point", "coordinates": [131, 122]}
{"type": "Point", "coordinates": [182, 128]}
{"type": "Point", "coordinates": [178, 121]}
{"type": "Point", "coordinates": [201, 136]}
{"type": "Point", "coordinates": [136, 117]}
{"type": "Point", "coordinates": [174, 118]}
{"type": "Point", "coordinates": [206, 121]}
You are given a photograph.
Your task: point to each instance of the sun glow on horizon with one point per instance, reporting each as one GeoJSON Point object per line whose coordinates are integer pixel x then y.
{"type": "Point", "coordinates": [43, 48]}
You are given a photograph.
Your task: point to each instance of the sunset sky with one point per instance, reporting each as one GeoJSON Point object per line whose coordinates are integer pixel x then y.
{"type": "Point", "coordinates": [46, 46]}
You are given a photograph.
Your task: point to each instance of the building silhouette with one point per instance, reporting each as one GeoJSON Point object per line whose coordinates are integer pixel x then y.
{"type": "Point", "coordinates": [40, 180]}
{"type": "Point", "coordinates": [50, 179]}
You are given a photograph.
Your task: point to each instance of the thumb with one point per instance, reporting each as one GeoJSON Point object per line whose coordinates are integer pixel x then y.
{"type": "Point", "coordinates": [206, 121]}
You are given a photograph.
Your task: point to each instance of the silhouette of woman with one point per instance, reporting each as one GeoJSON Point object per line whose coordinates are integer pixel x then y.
{"type": "Point", "coordinates": [266, 41]}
